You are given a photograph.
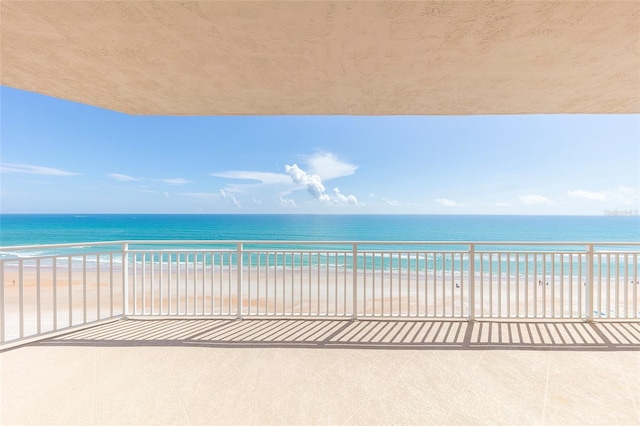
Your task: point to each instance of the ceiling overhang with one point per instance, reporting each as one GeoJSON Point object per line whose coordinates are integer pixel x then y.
{"type": "Point", "coordinates": [326, 58]}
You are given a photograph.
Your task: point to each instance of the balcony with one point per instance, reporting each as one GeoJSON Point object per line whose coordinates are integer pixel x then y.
{"type": "Point", "coordinates": [336, 333]}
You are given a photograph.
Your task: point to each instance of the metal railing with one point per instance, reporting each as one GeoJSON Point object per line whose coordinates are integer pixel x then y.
{"type": "Point", "coordinates": [45, 289]}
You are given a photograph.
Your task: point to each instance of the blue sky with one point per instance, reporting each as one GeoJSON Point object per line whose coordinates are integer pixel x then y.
{"type": "Point", "coordinates": [62, 157]}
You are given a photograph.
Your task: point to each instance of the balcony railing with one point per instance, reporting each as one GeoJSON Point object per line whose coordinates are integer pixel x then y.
{"type": "Point", "coordinates": [46, 289]}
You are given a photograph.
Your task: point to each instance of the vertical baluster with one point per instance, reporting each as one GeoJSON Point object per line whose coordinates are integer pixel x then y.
{"type": "Point", "coordinates": [582, 283]}
{"type": "Point", "coordinates": [38, 305]}
{"type": "Point", "coordinates": [518, 256]}
{"type": "Point", "coordinates": [2, 307]}
{"type": "Point", "coordinates": [490, 285]}
{"type": "Point", "coordinates": [152, 282]}
{"type": "Point", "coordinates": [626, 285]}
{"type": "Point", "coordinates": [194, 266]}
{"type": "Point", "coordinates": [617, 296]}
{"type": "Point", "coordinates": [373, 282]}
{"type": "Point", "coordinates": [98, 285]}
{"type": "Point", "coordinates": [552, 280]}
{"type": "Point", "coordinates": [55, 292]}
{"type": "Point", "coordinates": [169, 281]}
{"type": "Point", "coordinates": [472, 281]}
{"type": "Point", "coordinates": [560, 284]}
{"type": "Point", "coordinates": [508, 285]}
{"type": "Point", "coordinates": [21, 296]}
{"type": "Point", "coordinates": [84, 288]}
{"type": "Point", "coordinates": [292, 271]}
{"type": "Point", "coordinates": [443, 286]}
{"type": "Point", "coordinates": [239, 267]}
{"type": "Point", "coordinates": [636, 283]}
{"type": "Point", "coordinates": [125, 279]}
{"type": "Point", "coordinates": [435, 284]}
{"type": "Point", "coordinates": [545, 271]}
{"type": "Point", "coordinates": [70, 285]}
{"type": "Point", "coordinates": [335, 283]}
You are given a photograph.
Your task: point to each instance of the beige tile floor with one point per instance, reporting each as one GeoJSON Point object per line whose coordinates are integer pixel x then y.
{"type": "Point", "coordinates": [303, 372]}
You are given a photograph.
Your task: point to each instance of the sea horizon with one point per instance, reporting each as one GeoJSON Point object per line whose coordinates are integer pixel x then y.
{"type": "Point", "coordinates": [58, 228]}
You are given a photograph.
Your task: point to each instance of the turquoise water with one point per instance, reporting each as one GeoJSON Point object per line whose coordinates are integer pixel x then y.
{"type": "Point", "coordinates": [18, 230]}
{"type": "Point", "coordinates": [55, 229]}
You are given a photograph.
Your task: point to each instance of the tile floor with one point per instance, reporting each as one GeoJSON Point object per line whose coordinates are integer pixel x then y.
{"type": "Point", "coordinates": [305, 372]}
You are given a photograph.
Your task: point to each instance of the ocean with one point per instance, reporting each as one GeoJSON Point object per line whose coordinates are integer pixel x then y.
{"type": "Point", "coordinates": [41, 229]}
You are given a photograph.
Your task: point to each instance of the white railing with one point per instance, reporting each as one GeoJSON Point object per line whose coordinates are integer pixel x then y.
{"type": "Point", "coordinates": [48, 289]}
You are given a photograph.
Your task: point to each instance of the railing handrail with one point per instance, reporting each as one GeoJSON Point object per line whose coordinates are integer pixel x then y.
{"type": "Point", "coordinates": [345, 243]}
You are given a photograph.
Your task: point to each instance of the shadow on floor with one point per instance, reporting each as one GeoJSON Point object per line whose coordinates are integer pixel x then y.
{"type": "Point", "coordinates": [363, 334]}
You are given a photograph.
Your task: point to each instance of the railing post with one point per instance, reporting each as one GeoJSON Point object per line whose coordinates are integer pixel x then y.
{"type": "Point", "coordinates": [589, 283]}
{"type": "Point", "coordinates": [472, 282]}
{"type": "Point", "coordinates": [239, 282]}
{"type": "Point", "coordinates": [125, 280]}
{"type": "Point", "coordinates": [354, 314]}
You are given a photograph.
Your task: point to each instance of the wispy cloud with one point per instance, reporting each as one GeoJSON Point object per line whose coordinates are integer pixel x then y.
{"type": "Point", "coordinates": [34, 170]}
{"type": "Point", "coordinates": [621, 194]}
{"type": "Point", "coordinates": [450, 203]}
{"type": "Point", "coordinates": [390, 202]}
{"type": "Point", "coordinates": [173, 181]}
{"type": "Point", "coordinates": [126, 178]}
{"type": "Point", "coordinates": [534, 199]}
{"type": "Point", "coordinates": [328, 166]}
{"type": "Point", "coordinates": [225, 196]}
{"type": "Point", "coordinates": [287, 202]}
{"type": "Point", "coordinates": [122, 178]}
{"type": "Point", "coordinates": [262, 177]}
{"type": "Point", "coordinates": [587, 195]}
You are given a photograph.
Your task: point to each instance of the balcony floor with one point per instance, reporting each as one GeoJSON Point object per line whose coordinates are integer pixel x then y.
{"type": "Point", "coordinates": [299, 372]}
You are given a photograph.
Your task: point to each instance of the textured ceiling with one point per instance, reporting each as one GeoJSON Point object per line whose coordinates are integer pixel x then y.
{"type": "Point", "coordinates": [316, 57]}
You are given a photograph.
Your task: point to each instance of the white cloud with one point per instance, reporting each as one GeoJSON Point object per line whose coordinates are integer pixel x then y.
{"type": "Point", "coordinates": [173, 181]}
{"type": "Point", "coordinates": [626, 195]}
{"type": "Point", "coordinates": [390, 202]}
{"type": "Point", "coordinates": [587, 195]}
{"type": "Point", "coordinates": [263, 177]}
{"type": "Point", "coordinates": [534, 199]}
{"type": "Point", "coordinates": [287, 202]}
{"type": "Point", "coordinates": [502, 204]}
{"type": "Point", "coordinates": [126, 178]}
{"type": "Point", "coordinates": [342, 199]}
{"type": "Point", "coordinates": [328, 166]}
{"type": "Point", "coordinates": [34, 170]}
{"type": "Point", "coordinates": [621, 194]}
{"type": "Point", "coordinates": [313, 183]}
{"type": "Point", "coordinates": [450, 203]}
{"type": "Point", "coordinates": [225, 196]}
{"type": "Point", "coordinates": [166, 194]}
{"type": "Point", "coordinates": [314, 186]}
{"type": "Point", "coordinates": [122, 178]}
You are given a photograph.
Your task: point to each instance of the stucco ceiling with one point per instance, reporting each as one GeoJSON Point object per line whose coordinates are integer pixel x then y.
{"type": "Point", "coordinates": [317, 57]}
